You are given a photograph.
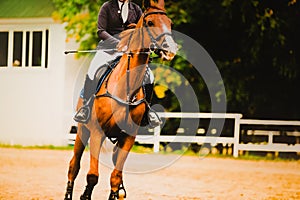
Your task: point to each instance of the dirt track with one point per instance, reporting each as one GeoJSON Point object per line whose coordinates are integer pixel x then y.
{"type": "Point", "coordinates": [42, 174]}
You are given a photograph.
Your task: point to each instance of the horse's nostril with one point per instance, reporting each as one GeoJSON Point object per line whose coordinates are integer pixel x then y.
{"type": "Point", "coordinates": [152, 47]}
{"type": "Point", "coordinates": [165, 46]}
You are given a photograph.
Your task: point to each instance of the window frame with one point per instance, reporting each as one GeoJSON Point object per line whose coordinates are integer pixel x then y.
{"type": "Point", "coordinates": [27, 56]}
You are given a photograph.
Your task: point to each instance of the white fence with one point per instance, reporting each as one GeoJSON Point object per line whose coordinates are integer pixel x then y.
{"type": "Point", "coordinates": [234, 140]}
{"type": "Point", "coordinates": [270, 146]}
{"type": "Point", "coordinates": [157, 138]}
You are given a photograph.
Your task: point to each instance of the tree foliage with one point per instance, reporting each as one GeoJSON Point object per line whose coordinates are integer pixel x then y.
{"type": "Point", "coordinates": [255, 46]}
{"type": "Point", "coordinates": [80, 17]}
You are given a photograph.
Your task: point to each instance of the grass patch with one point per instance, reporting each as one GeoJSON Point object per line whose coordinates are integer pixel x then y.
{"type": "Point", "coordinates": [266, 158]}
{"type": "Point", "coordinates": [188, 152]}
{"type": "Point", "coordinates": [51, 147]}
{"type": "Point", "coordinates": [141, 149]}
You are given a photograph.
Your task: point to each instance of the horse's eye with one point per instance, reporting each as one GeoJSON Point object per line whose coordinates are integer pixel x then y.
{"type": "Point", "coordinates": [150, 23]}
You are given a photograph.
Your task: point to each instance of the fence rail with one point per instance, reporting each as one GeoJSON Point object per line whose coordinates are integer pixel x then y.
{"type": "Point", "coordinates": [270, 145]}
{"type": "Point", "coordinates": [157, 138]}
{"type": "Point", "coordinates": [234, 140]}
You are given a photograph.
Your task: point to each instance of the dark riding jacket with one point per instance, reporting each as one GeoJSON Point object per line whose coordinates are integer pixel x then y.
{"type": "Point", "coordinates": [110, 22]}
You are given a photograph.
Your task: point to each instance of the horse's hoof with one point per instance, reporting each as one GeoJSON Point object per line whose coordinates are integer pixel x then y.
{"type": "Point", "coordinates": [85, 197]}
{"type": "Point", "coordinates": [67, 198]}
{"type": "Point", "coordinates": [87, 194]}
{"type": "Point", "coordinates": [113, 195]}
{"type": "Point", "coordinates": [119, 194]}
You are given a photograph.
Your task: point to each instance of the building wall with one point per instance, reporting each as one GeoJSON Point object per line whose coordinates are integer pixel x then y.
{"type": "Point", "coordinates": [36, 103]}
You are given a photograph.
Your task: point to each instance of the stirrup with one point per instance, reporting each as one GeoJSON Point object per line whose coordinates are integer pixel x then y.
{"type": "Point", "coordinates": [154, 119]}
{"type": "Point", "coordinates": [83, 114]}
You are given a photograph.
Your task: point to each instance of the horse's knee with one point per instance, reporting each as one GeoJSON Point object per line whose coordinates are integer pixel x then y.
{"type": "Point", "coordinates": [74, 167]}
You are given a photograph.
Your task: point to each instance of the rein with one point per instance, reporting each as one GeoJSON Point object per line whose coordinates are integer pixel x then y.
{"type": "Point", "coordinates": [128, 101]}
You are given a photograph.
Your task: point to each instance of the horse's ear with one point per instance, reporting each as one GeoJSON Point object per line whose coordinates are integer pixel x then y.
{"type": "Point", "coordinates": [131, 26]}
{"type": "Point", "coordinates": [152, 3]}
{"type": "Point", "coordinates": [146, 3]}
{"type": "Point", "coordinates": [161, 3]}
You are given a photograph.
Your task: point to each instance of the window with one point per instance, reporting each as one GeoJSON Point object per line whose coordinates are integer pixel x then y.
{"type": "Point", "coordinates": [3, 48]}
{"type": "Point", "coordinates": [37, 48]}
{"type": "Point", "coordinates": [24, 48]}
{"type": "Point", "coordinates": [17, 49]}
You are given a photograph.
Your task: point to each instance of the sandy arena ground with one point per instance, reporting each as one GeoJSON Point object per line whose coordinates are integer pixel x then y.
{"type": "Point", "coordinates": [42, 174]}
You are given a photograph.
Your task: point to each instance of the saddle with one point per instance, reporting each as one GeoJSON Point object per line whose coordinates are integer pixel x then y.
{"type": "Point", "coordinates": [101, 74]}
{"type": "Point", "coordinates": [104, 71]}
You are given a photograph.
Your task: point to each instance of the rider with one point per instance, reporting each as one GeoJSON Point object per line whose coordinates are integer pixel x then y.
{"type": "Point", "coordinates": [114, 17]}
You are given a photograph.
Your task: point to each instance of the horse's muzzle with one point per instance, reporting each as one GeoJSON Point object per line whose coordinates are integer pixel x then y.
{"type": "Point", "coordinates": [169, 48]}
{"type": "Point", "coordinates": [167, 54]}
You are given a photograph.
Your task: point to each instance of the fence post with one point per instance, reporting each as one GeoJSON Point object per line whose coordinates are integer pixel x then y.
{"type": "Point", "coordinates": [236, 135]}
{"type": "Point", "coordinates": [156, 139]}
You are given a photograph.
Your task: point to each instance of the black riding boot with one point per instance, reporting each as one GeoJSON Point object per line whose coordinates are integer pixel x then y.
{"type": "Point", "coordinates": [84, 113]}
{"type": "Point", "coordinates": [150, 117]}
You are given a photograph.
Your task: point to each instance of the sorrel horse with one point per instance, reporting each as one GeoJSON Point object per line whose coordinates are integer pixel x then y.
{"type": "Point", "coordinates": [120, 103]}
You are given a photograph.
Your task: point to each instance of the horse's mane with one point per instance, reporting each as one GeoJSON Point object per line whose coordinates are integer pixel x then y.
{"type": "Point", "coordinates": [125, 37]}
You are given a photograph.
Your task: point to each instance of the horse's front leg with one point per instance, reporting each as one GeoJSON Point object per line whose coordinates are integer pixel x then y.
{"type": "Point", "coordinates": [80, 142]}
{"type": "Point", "coordinates": [120, 155]}
{"type": "Point", "coordinates": [96, 140]}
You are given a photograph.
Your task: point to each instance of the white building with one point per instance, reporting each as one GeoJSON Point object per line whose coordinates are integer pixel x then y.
{"type": "Point", "coordinates": [39, 84]}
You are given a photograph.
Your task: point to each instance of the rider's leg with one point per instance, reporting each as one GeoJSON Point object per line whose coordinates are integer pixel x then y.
{"type": "Point", "coordinates": [90, 86]}
{"type": "Point", "coordinates": [89, 89]}
{"type": "Point", "coordinates": [150, 117]}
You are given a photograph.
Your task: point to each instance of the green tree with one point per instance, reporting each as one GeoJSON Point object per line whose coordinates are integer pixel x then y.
{"type": "Point", "coordinates": [255, 45]}
{"type": "Point", "coordinates": [80, 17]}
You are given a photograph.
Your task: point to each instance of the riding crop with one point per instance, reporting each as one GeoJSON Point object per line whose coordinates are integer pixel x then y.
{"type": "Point", "coordinates": [88, 51]}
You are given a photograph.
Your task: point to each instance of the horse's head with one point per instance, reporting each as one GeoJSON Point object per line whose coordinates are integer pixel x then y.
{"type": "Point", "coordinates": [158, 28]}
{"type": "Point", "coordinates": [153, 32]}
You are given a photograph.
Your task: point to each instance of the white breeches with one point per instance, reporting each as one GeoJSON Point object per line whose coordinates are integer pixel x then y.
{"type": "Point", "coordinates": [100, 58]}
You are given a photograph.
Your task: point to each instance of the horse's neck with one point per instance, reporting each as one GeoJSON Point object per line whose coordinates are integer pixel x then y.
{"type": "Point", "coordinates": [129, 72]}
